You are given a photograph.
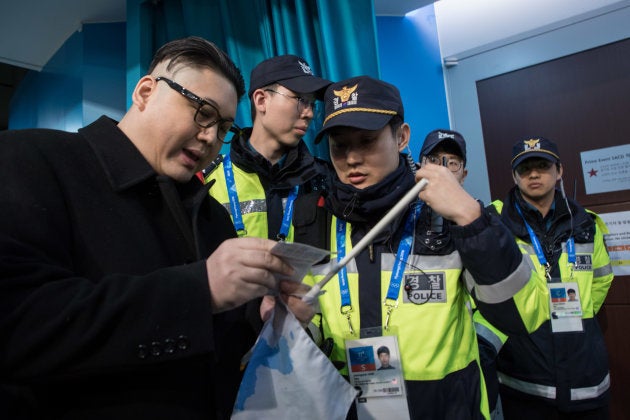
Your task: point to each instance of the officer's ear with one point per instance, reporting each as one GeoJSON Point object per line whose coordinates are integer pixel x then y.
{"type": "Point", "coordinates": [464, 175]}
{"type": "Point", "coordinates": [260, 100]}
{"type": "Point", "coordinates": [403, 135]}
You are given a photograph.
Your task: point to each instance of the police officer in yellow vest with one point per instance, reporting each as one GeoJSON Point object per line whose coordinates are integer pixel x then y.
{"type": "Point", "coordinates": [269, 179]}
{"type": "Point", "coordinates": [448, 148]}
{"type": "Point", "coordinates": [406, 289]}
{"type": "Point", "coordinates": [560, 370]}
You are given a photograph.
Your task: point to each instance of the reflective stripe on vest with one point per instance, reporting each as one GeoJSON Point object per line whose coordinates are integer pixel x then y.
{"type": "Point", "coordinates": [591, 391]}
{"type": "Point", "coordinates": [550, 391]}
{"type": "Point", "coordinates": [580, 248]}
{"type": "Point", "coordinates": [489, 336]}
{"type": "Point", "coordinates": [504, 289]}
{"type": "Point", "coordinates": [253, 205]}
{"type": "Point", "coordinates": [429, 262]}
{"type": "Point", "coordinates": [603, 271]}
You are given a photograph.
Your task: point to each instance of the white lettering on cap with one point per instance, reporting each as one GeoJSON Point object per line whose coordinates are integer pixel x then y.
{"type": "Point", "coordinates": [305, 68]}
{"type": "Point", "coordinates": [442, 135]}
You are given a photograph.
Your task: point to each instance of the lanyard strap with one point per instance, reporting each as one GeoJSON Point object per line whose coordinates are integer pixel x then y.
{"type": "Point", "coordinates": [343, 273]}
{"type": "Point", "coordinates": [288, 214]}
{"type": "Point", "coordinates": [404, 249]}
{"type": "Point", "coordinates": [532, 237]}
{"type": "Point", "coordinates": [344, 289]}
{"type": "Point", "coordinates": [538, 247]}
{"type": "Point", "coordinates": [571, 250]}
{"type": "Point", "coordinates": [235, 206]}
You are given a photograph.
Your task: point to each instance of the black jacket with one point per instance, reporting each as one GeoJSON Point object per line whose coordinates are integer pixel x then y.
{"type": "Point", "coordinates": [104, 302]}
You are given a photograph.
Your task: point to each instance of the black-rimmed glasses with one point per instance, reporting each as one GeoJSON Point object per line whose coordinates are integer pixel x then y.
{"type": "Point", "coordinates": [302, 103]}
{"type": "Point", "coordinates": [452, 164]}
{"type": "Point", "coordinates": [207, 114]}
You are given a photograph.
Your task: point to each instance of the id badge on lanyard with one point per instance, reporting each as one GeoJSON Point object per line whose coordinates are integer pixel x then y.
{"type": "Point", "coordinates": [565, 307]}
{"type": "Point", "coordinates": [375, 370]}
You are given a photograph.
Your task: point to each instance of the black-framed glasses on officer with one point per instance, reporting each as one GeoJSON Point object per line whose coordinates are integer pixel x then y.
{"type": "Point", "coordinates": [206, 115]}
{"type": "Point", "coordinates": [453, 164]}
{"type": "Point", "coordinates": [302, 103]}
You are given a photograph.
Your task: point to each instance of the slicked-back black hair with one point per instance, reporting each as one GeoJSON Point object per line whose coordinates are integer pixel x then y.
{"type": "Point", "coordinates": [197, 52]}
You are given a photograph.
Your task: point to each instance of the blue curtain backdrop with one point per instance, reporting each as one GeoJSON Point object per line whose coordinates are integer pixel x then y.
{"type": "Point", "coordinates": [336, 37]}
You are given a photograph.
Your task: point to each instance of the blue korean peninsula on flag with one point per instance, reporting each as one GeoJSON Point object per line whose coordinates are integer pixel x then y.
{"type": "Point", "coordinates": [288, 377]}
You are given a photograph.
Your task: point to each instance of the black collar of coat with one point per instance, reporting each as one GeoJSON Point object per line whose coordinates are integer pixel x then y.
{"type": "Point", "coordinates": [122, 162]}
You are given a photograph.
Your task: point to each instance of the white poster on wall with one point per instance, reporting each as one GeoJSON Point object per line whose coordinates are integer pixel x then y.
{"type": "Point", "coordinates": [618, 241]}
{"type": "Point", "coordinates": [606, 169]}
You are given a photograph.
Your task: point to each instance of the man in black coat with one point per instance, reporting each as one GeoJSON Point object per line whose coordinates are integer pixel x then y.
{"type": "Point", "coordinates": [122, 289]}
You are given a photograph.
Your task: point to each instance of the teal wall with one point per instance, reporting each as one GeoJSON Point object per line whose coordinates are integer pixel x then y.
{"type": "Point", "coordinates": [104, 70]}
{"type": "Point", "coordinates": [84, 79]}
{"type": "Point", "coordinates": [409, 55]}
{"type": "Point", "coordinates": [52, 97]}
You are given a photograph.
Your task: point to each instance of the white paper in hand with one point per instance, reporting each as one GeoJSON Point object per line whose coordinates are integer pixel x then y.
{"type": "Point", "coordinates": [299, 256]}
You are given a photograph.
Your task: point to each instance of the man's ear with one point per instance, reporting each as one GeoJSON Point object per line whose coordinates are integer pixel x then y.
{"type": "Point", "coordinates": [259, 99]}
{"type": "Point", "coordinates": [403, 136]}
{"type": "Point", "coordinates": [143, 91]}
{"type": "Point", "coordinates": [464, 175]}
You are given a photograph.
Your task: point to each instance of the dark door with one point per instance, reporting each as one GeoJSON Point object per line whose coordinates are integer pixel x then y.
{"type": "Point", "coordinates": [582, 102]}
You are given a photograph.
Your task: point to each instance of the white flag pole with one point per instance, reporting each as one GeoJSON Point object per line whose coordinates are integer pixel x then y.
{"type": "Point", "coordinates": [411, 195]}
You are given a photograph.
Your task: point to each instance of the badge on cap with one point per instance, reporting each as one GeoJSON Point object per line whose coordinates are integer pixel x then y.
{"type": "Point", "coordinates": [531, 144]}
{"type": "Point", "coordinates": [343, 97]}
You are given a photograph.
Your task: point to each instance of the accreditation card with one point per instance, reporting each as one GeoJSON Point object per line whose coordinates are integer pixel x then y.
{"type": "Point", "coordinates": [566, 308]}
{"type": "Point", "coordinates": [375, 370]}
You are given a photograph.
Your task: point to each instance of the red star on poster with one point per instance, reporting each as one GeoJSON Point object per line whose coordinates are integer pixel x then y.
{"type": "Point", "coordinates": [592, 173]}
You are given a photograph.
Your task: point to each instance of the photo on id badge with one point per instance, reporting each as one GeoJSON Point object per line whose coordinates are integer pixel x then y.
{"type": "Point", "coordinates": [566, 309]}
{"type": "Point", "coordinates": [375, 366]}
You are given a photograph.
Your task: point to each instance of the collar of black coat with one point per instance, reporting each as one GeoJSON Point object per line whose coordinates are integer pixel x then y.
{"type": "Point", "coordinates": [122, 162]}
